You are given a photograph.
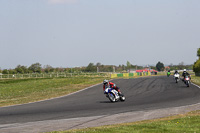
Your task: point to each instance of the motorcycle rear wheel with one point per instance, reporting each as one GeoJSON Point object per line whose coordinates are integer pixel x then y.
{"type": "Point", "coordinates": [122, 98]}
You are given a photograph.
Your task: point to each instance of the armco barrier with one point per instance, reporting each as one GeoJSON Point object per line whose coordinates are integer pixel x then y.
{"type": "Point", "coordinates": [129, 75]}
{"type": "Point", "coordinates": [113, 76]}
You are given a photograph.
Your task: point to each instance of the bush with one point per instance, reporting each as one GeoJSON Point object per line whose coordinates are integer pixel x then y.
{"type": "Point", "coordinates": [196, 67]}
{"type": "Point", "coordinates": [5, 71]}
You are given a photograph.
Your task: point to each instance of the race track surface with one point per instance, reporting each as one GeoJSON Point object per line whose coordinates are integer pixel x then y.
{"type": "Point", "coordinates": [142, 94]}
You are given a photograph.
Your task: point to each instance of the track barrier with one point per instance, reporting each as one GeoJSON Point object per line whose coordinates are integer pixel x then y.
{"type": "Point", "coordinates": [129, 75]}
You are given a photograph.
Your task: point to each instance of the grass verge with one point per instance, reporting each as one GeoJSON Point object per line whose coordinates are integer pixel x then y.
{"type": "Point", "coordinates": [184, 123]}
{"type": "Point", "coordinates": [19, 91]}
{"type": "Point", "coordinates": [196, 80]}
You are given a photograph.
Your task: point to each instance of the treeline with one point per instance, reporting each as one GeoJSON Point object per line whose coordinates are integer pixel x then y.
{"type": "Point", "coordinates": [161, 67]}
{"type": "Point", "coordinates": [111, 68]}
{"type": "Point", "coordinates": [98, 67]}
{"type": "Point", "coordinates": [37, 68]}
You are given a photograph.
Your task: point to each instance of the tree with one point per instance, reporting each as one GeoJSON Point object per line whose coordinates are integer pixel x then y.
{"type": "Point", "coordinates": [12, 71]}
{"type": "Point", "coordinates": [98, 64]}
{"type": "Point", "coordinates": [5, 71]}
{"type": "Point", "coordinates": [196, 66]}
{"type": "Point", "coordinates": [128, 65]}
{"type": "Point", "coordinates": [181, 65]}
{"type": "Point", "coordinates": [123, 67]}
{"type": "Point", "coordinates": [160, 66]}
{"type": "Point", "coordinates": [36, 68]}
{"type": "Point", "coordinates": [48, 68]}
{"type": "Point", "coordinates": [90, 68]}
{"type": "Point", "coordinates": [198, 52]}
{"type": "Point", "coordinates": [21, 69]}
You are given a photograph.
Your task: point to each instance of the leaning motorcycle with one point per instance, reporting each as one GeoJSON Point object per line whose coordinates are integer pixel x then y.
{"type": "Point", "coordinates": [187, 80]}
{"type": "Point", "coordinates": [176, 77]}
{"type": "Point", "coordinates": [113, 95]}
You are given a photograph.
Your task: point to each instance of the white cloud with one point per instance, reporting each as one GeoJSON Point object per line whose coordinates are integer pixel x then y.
{"type": "Point", "coordinates": [62, 1]}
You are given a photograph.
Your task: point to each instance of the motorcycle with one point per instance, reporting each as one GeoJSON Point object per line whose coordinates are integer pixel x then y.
{"type": "Point", "coordinates": [168, 74]}
{"type": "Point", "coordinates": [187, 80]}
{"type": "Point", "coordinates": [113, 95]}
{"type": "Point", "coordinates": [176, 77]}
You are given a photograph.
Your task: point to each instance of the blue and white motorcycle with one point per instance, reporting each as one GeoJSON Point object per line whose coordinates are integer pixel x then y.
{"type": "Point", "coordinates": [113, 95]}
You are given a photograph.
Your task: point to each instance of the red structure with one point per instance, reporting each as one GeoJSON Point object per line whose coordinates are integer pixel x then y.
{"type": "Point", "coordinates": [146, 70]}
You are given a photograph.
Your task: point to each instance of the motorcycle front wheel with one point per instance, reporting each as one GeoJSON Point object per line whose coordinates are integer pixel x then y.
{"type": "Point", "coordinates": [188, 83]}
{"type": "Point", "coordinates": [111, 97]}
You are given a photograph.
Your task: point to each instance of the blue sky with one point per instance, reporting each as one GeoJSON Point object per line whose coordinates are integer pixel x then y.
{"type": "Point", "coordinates": [69, 33]}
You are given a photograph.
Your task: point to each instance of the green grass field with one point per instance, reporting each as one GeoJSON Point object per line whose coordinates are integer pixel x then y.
{"type": "Point", "coordinates": [19, 91]}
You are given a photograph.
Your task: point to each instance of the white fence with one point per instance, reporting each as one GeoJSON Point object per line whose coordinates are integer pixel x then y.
{"type": "Point", "coordinates": [49, 75]}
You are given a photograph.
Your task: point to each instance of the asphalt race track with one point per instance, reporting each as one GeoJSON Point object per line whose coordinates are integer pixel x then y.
{"type": "Point", "coordinates": [142, 94]}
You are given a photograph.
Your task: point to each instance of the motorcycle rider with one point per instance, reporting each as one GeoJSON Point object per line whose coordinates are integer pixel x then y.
{"type": "Point", "coordinates": [176, 72]}
{"type": "Point", "coordinates": [176, 76]}
{"type": "Point", "coordinates": [168, 73]}
{"type": "Point", "coordinates": [185, 73]}
{"type": "Point", "coordinates": [107, 84]}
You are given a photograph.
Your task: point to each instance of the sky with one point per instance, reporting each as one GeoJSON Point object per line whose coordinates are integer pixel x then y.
{"type": "Point", "coordinates": [72, 33]}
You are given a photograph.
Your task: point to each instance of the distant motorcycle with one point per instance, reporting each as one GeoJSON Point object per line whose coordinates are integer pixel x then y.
{"type": "Point", "coordinates": [113, 95]}
{"type": "Point", "coordinates": [168, 74]}
{"type": "Point", "coordinates": [176, 77]}
{"type": "Point", "coordinates": [187, 81]}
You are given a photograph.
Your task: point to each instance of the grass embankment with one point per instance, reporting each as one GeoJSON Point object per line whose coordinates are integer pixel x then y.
{"type": "Point", "coordinates": [19, 91]}
{"type": "Point", "coordinates": [196, 80]}
{"type": "Point", "coordinates": [183, 123]}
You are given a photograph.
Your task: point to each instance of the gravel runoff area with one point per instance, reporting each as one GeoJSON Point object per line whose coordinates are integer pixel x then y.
{"type": "Point", "coordinates": [84, 122]}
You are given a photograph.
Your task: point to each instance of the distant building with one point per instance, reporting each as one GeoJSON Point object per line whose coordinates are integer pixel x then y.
{"type": "Point", "coordinates": [167, 68]}
{"type": "Point", "coordinates": [152, 71]}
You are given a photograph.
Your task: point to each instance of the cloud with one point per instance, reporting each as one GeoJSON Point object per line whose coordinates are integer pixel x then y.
{"type": "Point", "coordinates": [62, 1]}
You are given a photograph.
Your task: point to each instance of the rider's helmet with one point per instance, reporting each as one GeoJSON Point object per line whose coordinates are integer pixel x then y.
{"type": "Point", "coordinates": [176, 71]}
{"type": "Point", "coordinates": [105, 82]}
{"type": "Point", "coordinates": [184, 70]}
